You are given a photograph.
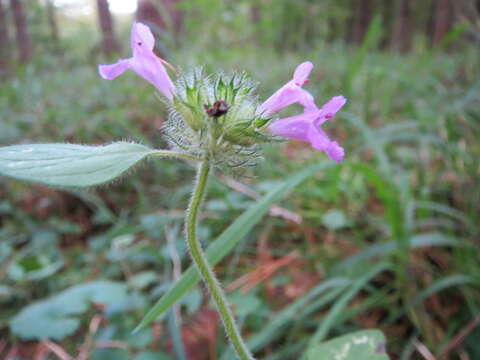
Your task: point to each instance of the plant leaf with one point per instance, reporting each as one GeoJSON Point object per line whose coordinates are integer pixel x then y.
{"type": "Point", "coordinates": [53, 318]}
{"type": "Point", "coordinates": [360, 345]}
{"type": "Point", "coordinates": [219, 248]}
{"type": "Point", "coordinates": [70, 165]}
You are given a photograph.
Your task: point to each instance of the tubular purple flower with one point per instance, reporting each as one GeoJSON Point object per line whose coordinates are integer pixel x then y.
{"type": "Point", "coordinates": [144, 62]}
{"type": "Point", "coordinates": [291, 93]}
{"type": "Point", "coordinates": [306, 127]}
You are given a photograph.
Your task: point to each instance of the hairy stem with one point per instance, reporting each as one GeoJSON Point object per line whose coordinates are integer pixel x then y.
{"type": "Point", "coordinates": [175, 154]}
{"type": "Point", "coordinates": [204, 268]}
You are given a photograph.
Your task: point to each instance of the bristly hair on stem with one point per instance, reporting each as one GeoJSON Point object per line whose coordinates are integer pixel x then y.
{"type": "Point", "coordinates": [204, 268]}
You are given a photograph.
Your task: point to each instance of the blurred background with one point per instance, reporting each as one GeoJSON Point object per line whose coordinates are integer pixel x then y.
{"type": "Point", "coordinates": [79, 269]}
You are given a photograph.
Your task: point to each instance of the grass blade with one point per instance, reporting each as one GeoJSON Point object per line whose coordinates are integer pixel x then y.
{"type": "Point", "coordinates": [333, 314]}
{"type": "Point", "coordinates": [378, 250]}
{"type": "Point", "coordinates": [437, 286]}
{"type": "Point", "coordinates": [228, 239]}
{"type": "Point", "coordinates": [326, 292]}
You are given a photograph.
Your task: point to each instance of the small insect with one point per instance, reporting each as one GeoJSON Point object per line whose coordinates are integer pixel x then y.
{"type": "Point", "coordinates": [219, 108]}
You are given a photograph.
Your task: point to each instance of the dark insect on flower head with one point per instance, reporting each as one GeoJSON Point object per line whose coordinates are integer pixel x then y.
{"type": "Point", "coordinates": [219, 108]}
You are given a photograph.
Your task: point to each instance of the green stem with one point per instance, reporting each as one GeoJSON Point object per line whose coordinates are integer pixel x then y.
{"type": "Point", "coordinates": [168, 153]}
{"type": "Point", "coordinates": [204, 268]}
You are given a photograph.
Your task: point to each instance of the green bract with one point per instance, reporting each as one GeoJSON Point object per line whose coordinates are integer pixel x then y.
{"type": "Point", "coordinates": [226, 140]}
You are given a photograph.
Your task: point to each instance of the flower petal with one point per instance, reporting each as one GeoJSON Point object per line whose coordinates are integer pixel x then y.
{"type": "Point", "coordinates": [320, 141]}
{"type": "Point", "coordinates": [141, 38]}
{"type": "Point", "coordinates": [306, 100]}
{"type": "Point", "coordinates": [294, 127]}
{"type": "Point", "coordinates": [300, 76]}
{"type": "Point", "coordinates": [285, 96]}
{"type": "Point", "coordinates": [333, 105]}
{"type": "Point", "coordinates": [302, 127]}
{"type": "Point", "coordinates": [151, 69]}
{"type": "Point", "coordinates": [329, 110]}
{"type": "Point", "coordinates": [144, 62]}
{"type": "Point", "coordinates": [110, 72]}
{"type": "Point", "coordinates": [291, 93]}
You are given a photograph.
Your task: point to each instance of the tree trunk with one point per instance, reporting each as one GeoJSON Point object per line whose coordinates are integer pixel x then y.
{"type": "Point", "coordinates": [403, 30]}
{"type": "Point", "coordinates": [255, 13]}
{"type": "Point", "coordinates": [361, 20]}
{"type": "Point", "coordinates": [467, 10]}
{"type": "Point", "coordinates": [52, 23]}
{"type": "Point", "coordinates": [109, 41]}
{"type": "Point", "coordinates": [4, 41]}
{"type": "Point", "coordinates": [163, 14]}
{"type": "Point", "coordinates": [443, 21]}
{"type": "Point", "coordinates": [22, 36]}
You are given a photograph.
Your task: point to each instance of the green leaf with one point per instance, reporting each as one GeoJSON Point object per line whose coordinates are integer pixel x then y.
{"type": "Point", "coordinates": [219, 248]}
{"type": "Point", "coordinates": [52, 318]}
{"type": "Point", "coordinates": [111, 353]}
{"type": "Point", "coordinates": [152, 355]}
{"type": "Point", "coordinates": [360, 345]}
{"type": "Point", "coordinates": [69, 165]}
{"type": "Point", "coordinates": [334, 220]}
{"type": "Point", "coordinates": [244, 304]}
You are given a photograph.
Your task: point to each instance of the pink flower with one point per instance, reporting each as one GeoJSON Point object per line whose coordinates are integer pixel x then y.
{"type": "Point", "coordinates": [291, 92]}
{"type": "Point", "coordinates": [305, 126]}
{"type": "Point", "coordinates": [144, 62]}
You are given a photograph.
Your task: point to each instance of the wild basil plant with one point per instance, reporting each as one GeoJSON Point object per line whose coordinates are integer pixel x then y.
{"type": "Point", "coordinates": [215, 121]}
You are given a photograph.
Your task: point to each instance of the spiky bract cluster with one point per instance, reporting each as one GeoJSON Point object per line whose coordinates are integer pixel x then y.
{"type": "Point", "coordinates": [229, 140]}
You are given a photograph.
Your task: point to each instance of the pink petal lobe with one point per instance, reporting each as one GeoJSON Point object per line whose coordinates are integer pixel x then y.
{"type": "Point", "coordinates": [334, 104]}
{"type": "Point", "coordinates": [302, 127]}
{"type": "Point", "coordinates": [300, 76]}
{"type": "Point", "coordinates": [306, 100]}
{"type": "Point", "coordinates": [320, 141]}
{"type": "Point", "coordinates": [291, 93]}
{"type": "Point", "coordinates": [151, 69]}
{"type": "Point", "coordinates": [329, 110]}
{"type": "Point", "coordinates": [294, 127]}
{"type": "Point", "coordinates": [144, 62]}
{"type": "Point", "coordinates": [287, 95]}
{"type": "Point", "coordinates": [141, 38]}
{"type": "Point", "coordinates": [110, 72]}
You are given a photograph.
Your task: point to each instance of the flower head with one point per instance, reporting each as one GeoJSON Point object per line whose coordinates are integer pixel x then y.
{"type": "Point", "coordinates": [217, 117]}
{"type": "Point", "coordinates": [144, 62]}
{"type": "Point", "coordinates": [305, 126]}
{"type": "Point", "coordinates": [214, 117]}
